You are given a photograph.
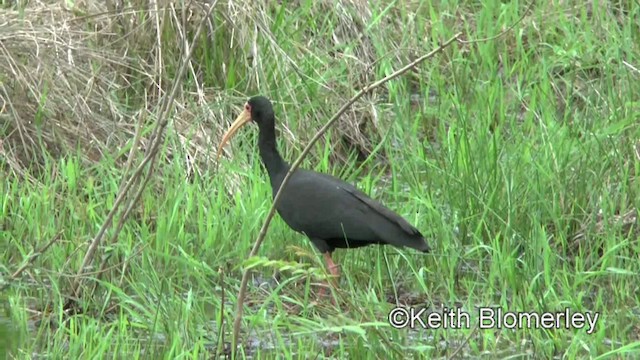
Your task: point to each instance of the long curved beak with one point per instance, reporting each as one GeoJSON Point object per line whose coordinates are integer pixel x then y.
{"type": "Point", "coordinates": [243, 118]}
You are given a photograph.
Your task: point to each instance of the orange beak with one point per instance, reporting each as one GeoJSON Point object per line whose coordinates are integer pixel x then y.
{"type": "Point", "coordinates": [243, 118]}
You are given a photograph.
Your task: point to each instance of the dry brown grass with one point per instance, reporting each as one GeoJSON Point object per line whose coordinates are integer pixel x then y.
{"type": "Point", "coordinates": [56, 88]}
{"type": "Point", "coordinates": [84, 79]}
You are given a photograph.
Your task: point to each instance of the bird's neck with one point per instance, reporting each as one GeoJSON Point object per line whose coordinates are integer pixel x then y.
{"type": "Point", "coordinates": [276, 166]}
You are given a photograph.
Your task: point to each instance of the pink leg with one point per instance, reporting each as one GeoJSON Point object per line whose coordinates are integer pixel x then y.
{"type": "Point", "coordinates": [334, 270]}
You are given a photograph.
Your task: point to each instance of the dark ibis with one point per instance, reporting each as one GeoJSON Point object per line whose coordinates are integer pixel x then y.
{"type": "Point", "coordinates": [330, 212]}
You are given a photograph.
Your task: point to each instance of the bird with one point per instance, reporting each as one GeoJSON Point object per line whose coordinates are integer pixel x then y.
{"type": "Point", "coordinates": [332, 213]}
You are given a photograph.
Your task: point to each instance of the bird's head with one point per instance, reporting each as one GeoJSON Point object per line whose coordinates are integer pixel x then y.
{"type": "Point", "coordinates": [257, 109]}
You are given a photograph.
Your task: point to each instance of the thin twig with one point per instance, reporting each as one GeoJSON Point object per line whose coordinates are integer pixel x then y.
{"type": "Point", "coordinates": [136, 141]}
{"type": "Point", "coordinates": [104, 269]}
{"type": "Point", "coordinates": [465, 342]}
{"type": "Point", "coordinates": [220, 348]}
{"type": "Point", "coordinates": [631, 66]}
{"type": "Point", "coordinates": [294, 166]}
{"type": "Point", "coordinates": [149, 156]}
{"type": "Point", "coordinates": [31, 259]}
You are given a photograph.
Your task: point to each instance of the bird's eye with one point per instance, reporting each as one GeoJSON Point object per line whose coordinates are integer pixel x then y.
{"type": "Point", "coordinates": [247, 107]}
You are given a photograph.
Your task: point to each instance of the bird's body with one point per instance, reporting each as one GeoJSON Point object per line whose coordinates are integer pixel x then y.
{"type": "Point", "coordinates": [334, 214]}
{"type": "Point", "coordinates": [331, 212]}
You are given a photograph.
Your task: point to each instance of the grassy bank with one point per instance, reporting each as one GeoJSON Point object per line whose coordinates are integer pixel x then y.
{"type": "Point", "coordinates": [517, 158]}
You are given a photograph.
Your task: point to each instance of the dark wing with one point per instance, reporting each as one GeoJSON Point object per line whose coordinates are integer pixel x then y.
{"type": "Point", "coordinates": [383, 211]}
{"type": "Point", "coordinates": [326, 207]}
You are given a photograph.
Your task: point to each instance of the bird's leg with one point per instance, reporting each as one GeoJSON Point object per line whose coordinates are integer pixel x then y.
{"type": "Point", "coordinates": [334, 269]}
{"type": "Point", "coordinates": [335, 274]}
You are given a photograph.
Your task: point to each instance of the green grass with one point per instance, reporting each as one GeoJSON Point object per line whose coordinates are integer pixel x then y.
{"type": "Point", "coordinates": [517, 158]}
